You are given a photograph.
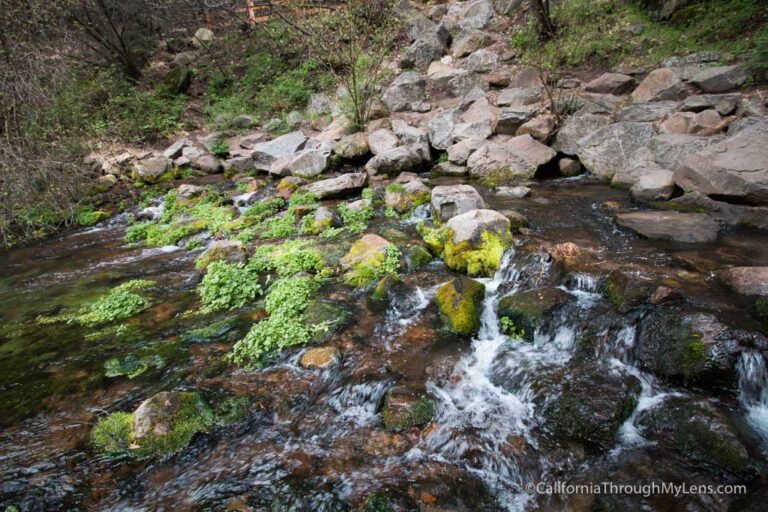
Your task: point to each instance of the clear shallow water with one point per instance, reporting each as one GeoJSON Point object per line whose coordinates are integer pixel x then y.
{"type": "Point", "coordinates": [315, 442]}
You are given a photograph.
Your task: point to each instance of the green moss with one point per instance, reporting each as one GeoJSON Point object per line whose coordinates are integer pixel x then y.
{"type": "Point", "coordinates": [403, 417]}
{"type": "Point", "coordinates": [378, 264]}
{"type": "Point", "coordinates": [131, 366]}
{"type": "Point", "coordinates": [112, 434]}
{"type": "Point", "coordinates": [194, 416]}
{"type": "Point", "coordinates": [459, 302]}
{"type": "Point", "coordinates": [418, 256]}
{"type": "Point", "coordinates": [482, 259]}
{"type": "Point", "coordinates": [288, 258]}
{"type": "Point", "coordinates": [692, 355]}
{"type": "Point", "coordinates": [88, 216]}
{"type": "Point", "coordinates": [232, 410]}
{"type": "Point", "coordinates": [376, 502]}
{"type": "Point", "coordinates": [697, 437]}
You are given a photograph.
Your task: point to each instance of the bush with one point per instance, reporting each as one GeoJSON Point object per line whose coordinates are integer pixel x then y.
{"type": "Point", "coordinates": [227, 286]}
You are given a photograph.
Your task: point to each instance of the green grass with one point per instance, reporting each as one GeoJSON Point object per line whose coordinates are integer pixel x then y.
{"type": "Point", "coordinates": [595, 32]}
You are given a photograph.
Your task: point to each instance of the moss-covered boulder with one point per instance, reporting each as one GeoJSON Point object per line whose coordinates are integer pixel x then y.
{"type": "Point", "coordinates": [162, 424]}
{"type": "Point", "coordinates": [321, 220]}
{"type": "Point", "coordinates": [696, 430]}
{"type": "Point", "coordinates": [369, 259]}
{"type": "Point", "coordinates": [682, 345]}
{"type": "Point", "coordinates": [473, 242]}
{"type": "Point", "coordinates": [418, 256]}
{"type": "Point", "coordinates": [231, 251]}
{"type": "Point", "coordinates": [460, 303]}
{"type": "Point", "coordinates": [592, 407]}
{"type": "Point", "coordinates": [405, 408]}
{"type": "Point", "coordinates": [521, 312]}
{"type": "Point", "coordinates": [627, 290]}
{"type": "Point", "coordinates": [403, 198]}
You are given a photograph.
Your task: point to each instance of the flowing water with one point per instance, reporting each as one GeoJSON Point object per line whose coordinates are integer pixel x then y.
{"type": "Point", "coordinates": [313, 440]}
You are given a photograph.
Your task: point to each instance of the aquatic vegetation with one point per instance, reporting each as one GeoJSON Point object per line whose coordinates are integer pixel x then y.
{"type": "Point", "coordinates": [227, 286]}
{"type": "Point", "coordinates": [286, 302]}
{"type": "Point", "coordinates": [511, 329]}
{"type": "Point", "coordinates": [404, 410]}
{"type": "Point", "coordinates": [285, 225]}
{"type": "Point", "coordinates": [131, 366]}
{"type": "Point", "coordinates": [265, 208]}
{"type": "Point", "coordinates": [122, 302]}
{"type": "Point", "coordinates": [112, 434]}
{"type": "Point", "coordinates": [286, 259]}
{"type": "Point", "coordinates": [88, 216]}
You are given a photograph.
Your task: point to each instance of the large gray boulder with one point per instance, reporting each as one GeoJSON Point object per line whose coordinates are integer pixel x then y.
{"type": "Point", "coordinates": [395, 160]}
{"type": "Point", "coordinates": [352, 146]}
{"type": "Point", "coordinates": [518, 158]}
{"type": "Point", "coordinates": [481, 61]}
{"type": "Point", "coordinates": [613, 147]}
{"type": "Point", "coordinates": [440, 129]}
{"type": "Point", "coordinates": [469, 226]}
{"type": "Point", "coordinates": [310, 163]}
{"type": "Point", "coordinates": [336, 187]}
{"type": "Point", "coordinates": [645, 112]}
{"type": "Point", "coordinates": [382, 140]}
{"type": "Point", "coordinates": [720, 78]}
{"type": "Point", "coordinates": [660, 84]}
{"type": "Point", "coordinates": [451, 200]}
{"type": "Point", "coordinates": [512, 118]}
{"type": "Point", "coordinates": [575, 128]}
{"type": "Point", "coordinates": [475, 14]}
{"type": "Point", "coordinates": [669, 149]}
{"type": "Point", "coordinates": [653, 186]}
{"type": "Point", "coordinates": [264, 154]}
{"type": "Point", "coordinates": [406, 91]}
{"type": "Point", "coordinates": [672, 226]}
{"type": "Point", "coordinates": [429, 46]}
{"type": "Point", "coordinates": [736, 167]}
{"type": "Point", "coordinates": [611, 83]}
{"type": "Point", "coordinates": [150, 169]}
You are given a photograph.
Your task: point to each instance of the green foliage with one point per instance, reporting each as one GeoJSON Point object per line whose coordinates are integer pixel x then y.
{"type": "Point", "coordinates": [131, 365]}
{"type": "Point", "coordinates": [286, 302]}
{"type": "Point", "coordinates": [368, 271]}
{"type": "Point", "coordinates": [264, 208]}
{"type": "Point", "coordinates": [286, 259]}
{"type": "Point", "coordinates": [357, 221]}
{"type": "Point", "coordinates": [596, 32]}
{"type": "Point", "coordinates": [120, 303]}
{"type": "Point", "coordinates": [88, 216]}
{"type": "Point", "coordinates": [758, 57]}
{"type": "Point", "coordinates": [227, 286]}
{"type": "Point", "coordinates": [221, 150]}
{"type": "Point", "coordinates": [285, 225]}
{"type": "Point", "coordinates": [510, 328]}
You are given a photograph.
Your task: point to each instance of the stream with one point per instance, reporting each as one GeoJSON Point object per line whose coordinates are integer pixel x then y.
{"type": "Point", "coordinates": [313, 439]}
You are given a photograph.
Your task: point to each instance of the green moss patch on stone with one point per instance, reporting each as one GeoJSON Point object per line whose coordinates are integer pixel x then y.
{"type": "Point", "coordinates": [404, 409]}
{"type": "Point", "coordinates": [460, 303]}
{"type": "Point", "coordinates": [479, 259]}
{"type": "Point", "coordinates": [520, 313]}
{"type": "Point", "coordinates": [370, 259]}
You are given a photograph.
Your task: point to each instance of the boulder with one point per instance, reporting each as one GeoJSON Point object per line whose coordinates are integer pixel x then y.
{"type": "Point", "coordinates": [352, 146]}
{"type": "Point", "coordinates": [366, 259]}
{"type": "Point", "coordinates": [451, 200]}
{"type": "Point", "coordinates": [660, 84]}
{"type": "Point", "coordinates": [511, 118]}
{"type": "Point", "coordinates": [669, 150]}
{"type": "Point", "coordinates": [519, 97]}
{"type": "Point", "coordinates": [611, 83]}
{"type": "Point", "coordinates": [460, 303]}
{"type": "Point", "coordinates": [673, 226]}
{"type": "Point", "coordinates": [175, 149]}
{"type": "Point", "coordinates": [654, 186]}
{"type": "Point", "coordinates": [613, 147]}
{"type": "Point", "coordinates": [569, 167]}
{"type": "Point", "coordinates": [405, 197]}
{"type": "Point", "coordinates": [203, 37]}
{"type": "Point", "coordinates": [476, 14]}
{"type": "Point", "coordinates": [626, 290]}
{"type": "Point", "coordinates": [440, 129]}
{"type": "Point", "coordinates": [422, 51]}
{"type": "Point", "coordinates": [736, 167]}
{"type": "Point", "coordinates": [469, 41]}
{"type": "Point", "coordinates": [231, 251]}
{"type": "Point", "coordinates": [264, 154]}
{"type": "Point", "coordinates": [406, 91]}
{"type": "Point", "coordinates": [188, 191]}
{"type": "Point", "coordinates": [720, 78]}
{"type": "Point", "coordinates": [337, 187]}
{"type": "Point", "coordinates": [644, 112]}
{"type": "Point", "coordinates": [150, 169]}
{"type": "Point", "coordinates": [677, 123]}
{"type": "Point", "coordinates": [206, 163]}
{"type": "Point", "coordinates": [414, 137]}
{"type": "Point", "coordinates": [382, 140]}
{"type": "Point", "coordinates": [481, 61]}
{"type": "Point", "coordinates": [459, 152]}
{"type": "Point", "coordinates": [724, 104]}
{"type": "Point", "coordinates": [575, 128]}
{"type": "Point", "coordinates": [476, 241]}
{"type": "Point", "coordinates": [524, 310]}
{"type": "Point", "coordinates": [705, 122]}
{"type": "Point", "coordinates": [320, 358]}
{"type": "Point", "coordinates": [395, 161]}
{"type": "Point", "coordinates": [450, 169]}
{"type": "Point", "coordinates": [540, 128]}
{"type": "Point", "coordinates": [746, 280]}
{"type": "Point", "coordinates": [310, 163]}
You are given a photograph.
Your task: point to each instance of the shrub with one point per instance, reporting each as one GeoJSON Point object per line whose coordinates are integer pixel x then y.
{"type": "Point", "coordinates": [227, 286]}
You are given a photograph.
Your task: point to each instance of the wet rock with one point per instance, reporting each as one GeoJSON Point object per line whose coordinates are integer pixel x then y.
{"type": "Point", "coordinates": [746, 280]}
{"type": "Point", "coordinates": [352, 146]}
{"type": "Point", "coordinates": [674, 226]}
{"type": "Point", "coordinates": [683, 345]}
{"type": "Point", "coordinates": [644, 112]}
{"type": "Point", "coordinates": [166, 422]}
{"type": "Point", "coordinates": [476, 241]}
{"type": "Point", "coordinates": [697, 431]}
{"type": "Point", "coordinates": [660, 84]}
{"type": "Point", "coordinates": [575, 128]}
{"type": "Point", "coordinates": [405, 197]}
{"type": "Point", "coordinates": [406, 91]}
{"type": "Point", "coordinates": [418, 256]}
{"type": "Point", "coordinates": [232, 251]}
{"type": "Point", "coordinates": [320, 357]}
{"type": "Point", "coordinates": [404, 409]}
{"type": "Point", "coordinates": [395, 161]}
{"type": "Point", "coordinates": [345, 184]}
{"type": "Point", "coordinates": [611, 83]}
{"type": "Point", "coordinates": [151, 169]}
{"type": "Point", "coordinates": [451, 200]}
{"type": "Point", "coordinates": [519, 97]}
{"type": "Point", "coordinates": [460, 304]}
{"type": "Point", "coordinates": [381, 140]}
{"type": "Point", "coordinates": [664, 294]}
{"type": "Point", "coordinates": [592, 407]}
{"type": "Point", "coordinates": [626, 290]}
{"type": "Point", "coordinates": [517, 220]}
{"type": "Point", "coordinates": [720, 78]}
{"type": "Point", "coordinates": [569, 167]}
{"type": "Point", "coordinates": [366, 259]}
{"type": "Point", "coordinates": [613, 147]}
{"type": "Point", "coordinates": [524, 310]}
{"type": "Point", "coordinates": [736, 168]}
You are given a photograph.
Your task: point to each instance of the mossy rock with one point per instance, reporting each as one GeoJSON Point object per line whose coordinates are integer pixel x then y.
{"type": "Point", "coordinates": [460, 303]}
{"type": "Point", "coordinates": [380, 292]}
{"type": "Point", "coordinates": [231, 251]}
{"type": "Point", "coordinates": [592, 407]}
{"type": "Point", "coordinates": [213, 332]}
{"type": "Point", "coordinates": [480, 258]}
{"type": "Point", "coordinates": [698, 431]}
{"type": "Point", "coordinates": [525, 309]}
{"type": "Point", "coordinates": [370, 258]}
{"type": "Point", "coordinates": [327, 316]}
{"type": "Point", "coordinates": [161, 425]}
{"type": "Point", "coordinates": [404, 409]}
{"type": "Point", "coordinates": [418, 256]}
{"type": "Point", "coordinates": [626, 291]}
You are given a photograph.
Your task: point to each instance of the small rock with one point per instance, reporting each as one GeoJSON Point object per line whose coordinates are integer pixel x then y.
{"type": "Point", "coordinates": [660, 84]}
{"type": "Point", "coordinates": [320, 357]}
{"type": "Point", "coordinates": [513, 192]}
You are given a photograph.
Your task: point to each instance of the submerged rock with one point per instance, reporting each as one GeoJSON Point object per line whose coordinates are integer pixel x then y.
{"type": "Point", "coordinates": [320, 357]}
{"type": "Point", "coordinates": [460, 304]}
{"type": "Point", "coordinates": [673, 226]}
{"type": "Point", "coordinates": [524, 310]}
{"type": "Point", "coordinates": [404, 409]}
{"type": "Point", "coordinates": [746, 280]}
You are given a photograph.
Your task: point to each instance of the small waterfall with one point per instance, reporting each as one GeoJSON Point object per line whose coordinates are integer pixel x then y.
{"type": "Point", "coordinates": [359, 402]}
{"type": "Point", "coordinates": [404, 312]}
{"type": "Point", "coordinates": [753, 390]}
{"type": "Point", "coordinates": [420, 213]}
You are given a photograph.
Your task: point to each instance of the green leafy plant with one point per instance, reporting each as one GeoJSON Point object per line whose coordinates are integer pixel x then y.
{"type": "Point", "coordinates": [227, 286]}
{"type": "Point", "coordinates": [120, 303]}
{"type": "Point", "coordinates": [510, 328]}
